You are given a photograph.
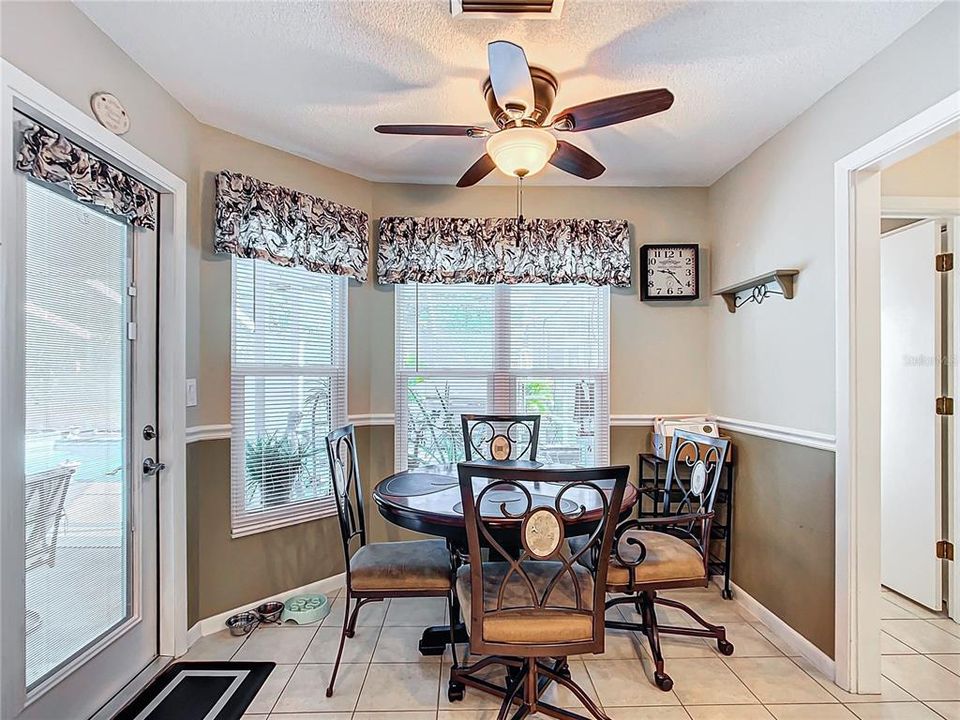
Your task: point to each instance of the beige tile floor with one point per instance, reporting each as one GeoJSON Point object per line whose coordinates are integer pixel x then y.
{"type": "Point", "coordinates": [385, 677]}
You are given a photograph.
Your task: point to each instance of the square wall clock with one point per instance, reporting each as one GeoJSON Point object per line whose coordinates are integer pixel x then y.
{"type": "Point", "coordinates": [670, 271]}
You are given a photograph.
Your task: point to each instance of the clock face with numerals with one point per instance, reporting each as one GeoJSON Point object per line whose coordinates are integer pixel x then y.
{"type": "Point", "coordinates": [670, 272]}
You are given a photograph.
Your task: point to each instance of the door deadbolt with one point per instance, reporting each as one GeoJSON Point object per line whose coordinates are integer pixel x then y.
{"type": "Point", "coordinates": [149, 432]}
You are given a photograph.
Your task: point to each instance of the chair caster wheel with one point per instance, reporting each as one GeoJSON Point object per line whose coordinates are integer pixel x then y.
{"type": "Point", "coordinates": [726, 594]}
{"type": "Point", "coordinates": [349, 633]}
{"type": "Point", "coordinates": [725, 648]}
{"type": "Point", "coordinates": [329, 692]}
{"type": "Point", "coordinates": [455, 691]}
{"type": "Point", "coordinates": [663, 681]}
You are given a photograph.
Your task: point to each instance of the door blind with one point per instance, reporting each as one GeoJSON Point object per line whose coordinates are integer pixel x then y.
{"type": "Point", "coordinates": [288, 390]}
{"type": "Point", "coordinates": [533, 349]}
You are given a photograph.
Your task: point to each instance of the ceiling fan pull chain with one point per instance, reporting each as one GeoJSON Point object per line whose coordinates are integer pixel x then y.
{"type": "Point", "coordinates": [519, 209]}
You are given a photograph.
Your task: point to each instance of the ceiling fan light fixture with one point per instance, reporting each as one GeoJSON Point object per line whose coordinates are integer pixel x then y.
{"type": "Point", "coordinates": [521, 151]}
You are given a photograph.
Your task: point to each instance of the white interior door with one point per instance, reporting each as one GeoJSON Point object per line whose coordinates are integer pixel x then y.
{"type": "Point", "coordinates": [83, 383]}
{"type": "Point", "coordinates": [911, 431]}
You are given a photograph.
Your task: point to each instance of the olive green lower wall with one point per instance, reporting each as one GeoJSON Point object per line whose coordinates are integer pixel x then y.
{"type": "Point", "coordinates": [783, 551]}
{"type": "Point", "coordinates": [784, 524]}
{"type": "Point", "coordinates": [225, 573]}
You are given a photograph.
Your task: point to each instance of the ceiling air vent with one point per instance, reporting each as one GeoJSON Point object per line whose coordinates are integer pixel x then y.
{"type": "Point", "coordinates": [514, 9]}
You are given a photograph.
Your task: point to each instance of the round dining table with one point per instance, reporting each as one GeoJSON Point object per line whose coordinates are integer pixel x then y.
{"type": "Point", "coordinates": [427, 500]}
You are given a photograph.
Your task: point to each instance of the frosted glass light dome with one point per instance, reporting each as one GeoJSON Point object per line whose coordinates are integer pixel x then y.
{"type": "Point", "coordinates": [521, 151]}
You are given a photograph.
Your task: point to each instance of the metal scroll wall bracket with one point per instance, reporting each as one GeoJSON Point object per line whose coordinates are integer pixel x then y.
{"type": "Point", "coordinates": [775, 282]}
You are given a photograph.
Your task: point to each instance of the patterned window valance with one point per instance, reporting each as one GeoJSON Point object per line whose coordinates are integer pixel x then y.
{"type": "Point", "coordinates": [46, 155]}
{"type": "Point", "coordinates": [257, 219]}
{"type": "Point", "coordinates": [486, 251]}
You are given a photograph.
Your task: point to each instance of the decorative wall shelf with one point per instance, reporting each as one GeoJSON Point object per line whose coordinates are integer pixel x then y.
{"type": "Point", "coordinates": [759, 288]}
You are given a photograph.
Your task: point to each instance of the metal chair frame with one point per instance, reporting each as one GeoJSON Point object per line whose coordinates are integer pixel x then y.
{"type": "Point", "coordinates": [348, 493]}
{"type": "Point", "coordinates": [532, 667]}
{"type": "Point", "coordinates": [692, 523]}
{"type": "Point", "coordinates": [529, 423]}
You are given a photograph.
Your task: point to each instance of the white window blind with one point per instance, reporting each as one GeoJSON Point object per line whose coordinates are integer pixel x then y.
{"type": "Point", "coordinates": [538, 349]}
{"type": "Point", "coordinates": [288, 390]}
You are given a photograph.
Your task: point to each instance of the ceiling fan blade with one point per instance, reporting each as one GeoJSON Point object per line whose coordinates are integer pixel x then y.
{"type": "Point", "coordinates": [477, 172]}
{"type": "Point", "coordinates": [614, 110]}
{"type": "Point", "coordinates": [575, 161]}
{"type": "Point", "coordinates": [510, 78]}
{"type": "Point", "coordinates": [453, 130]}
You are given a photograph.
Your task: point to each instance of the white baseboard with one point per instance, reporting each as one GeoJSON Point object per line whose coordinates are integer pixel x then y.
{"type": "Point", "coordinates": [819, 659]}
{"type": "Point", "coordinates": [216, 623]}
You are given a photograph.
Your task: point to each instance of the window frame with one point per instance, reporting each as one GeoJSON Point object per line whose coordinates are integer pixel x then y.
{"type": "Point", "coordinates": [245, 522]}
{"type": "Point", "coordinates": [501, 379]}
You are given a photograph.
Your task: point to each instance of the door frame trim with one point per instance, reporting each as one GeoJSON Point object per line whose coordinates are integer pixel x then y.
{"type": "Point", "coordinates": [20, 91]}
{"type": "Point", "coordinates": [857, 204]}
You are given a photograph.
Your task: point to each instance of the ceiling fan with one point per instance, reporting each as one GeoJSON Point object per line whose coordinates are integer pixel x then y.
{"type": "Point", "coordinates": [519, 98]}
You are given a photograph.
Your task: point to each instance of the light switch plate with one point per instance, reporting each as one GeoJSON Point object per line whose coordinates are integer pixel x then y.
{"type": "Point", "coordinates": [191, 392]}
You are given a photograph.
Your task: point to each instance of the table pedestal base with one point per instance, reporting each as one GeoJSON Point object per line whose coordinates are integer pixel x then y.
{"type": "Point", "coordinates": [435, 639]}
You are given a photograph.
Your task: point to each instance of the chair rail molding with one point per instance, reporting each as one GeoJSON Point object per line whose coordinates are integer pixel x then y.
{"type": "Point", "coordinates": [196, 433]}
{"type": "Point", "coordinates": [367, 419]}
{"type": "Point", "coordinates": [795, 436]}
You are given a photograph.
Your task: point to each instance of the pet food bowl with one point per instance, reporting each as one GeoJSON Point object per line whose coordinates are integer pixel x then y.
{"type": "Point", "coordinates": [306, 609]}
{"type": "Point", "coordinates": [270, 612]}
{"type": "Point", "coordinates": [242, 623]}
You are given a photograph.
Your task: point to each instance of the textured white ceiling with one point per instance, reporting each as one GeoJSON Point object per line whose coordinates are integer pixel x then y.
{"type": "Point", "coordinates": [314, 78]}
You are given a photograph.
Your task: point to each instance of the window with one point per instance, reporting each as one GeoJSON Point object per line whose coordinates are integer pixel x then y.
{"type": "Point", "coordinates": [539, 349]}
{"type": "Point", "coordinates": [288, 391]}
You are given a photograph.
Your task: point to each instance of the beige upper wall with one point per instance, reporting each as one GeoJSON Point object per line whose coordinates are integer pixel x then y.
{"type": "Point", "coordinates": [775, 363]}
{"type": "Point", "coordinates": [932, 172]}
{"type": "Point", "coordinates": [218, 150]}
{"type": "Point", "coordinates": [58, 46]}
{"type": "Point", "coordinates": [648, 372]}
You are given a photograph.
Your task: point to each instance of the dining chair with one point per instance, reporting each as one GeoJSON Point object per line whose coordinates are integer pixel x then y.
{"type": "Point", "coordinates": [671, 551]}
{"type": "Point", "coordinates": [377, 571]}
{"type": "Point", "coordinates": [500, 437]}
{"type": "Point", "coordinates": [531, 604]}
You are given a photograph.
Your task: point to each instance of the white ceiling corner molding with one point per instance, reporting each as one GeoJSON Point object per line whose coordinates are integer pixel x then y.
{"type": "Point", "coordinates": [794, 436]}
{"type": "Point", "coordinates": [905, 206]}
{"type": "Point", "coordinates": [198, 433]}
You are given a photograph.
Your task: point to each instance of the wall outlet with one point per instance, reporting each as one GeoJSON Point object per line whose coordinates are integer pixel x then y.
{"type": "Point", "coordinates": [191, 392]}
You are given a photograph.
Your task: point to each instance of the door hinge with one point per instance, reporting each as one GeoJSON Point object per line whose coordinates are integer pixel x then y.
{"type": "Point", "coordinates": [944, 406]}
{"type": "Point", "coordinates": [945, 550]}
{"type": "Point", "coordinates": [131, 331]}
{"type": "Point", "coordinates": [944, 262]}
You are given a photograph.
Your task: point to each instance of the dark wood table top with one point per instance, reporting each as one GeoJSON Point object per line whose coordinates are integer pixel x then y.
{"type": "Point", "coordinates": [428, 500]}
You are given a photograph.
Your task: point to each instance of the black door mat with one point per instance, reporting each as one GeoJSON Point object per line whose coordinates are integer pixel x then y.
{"type": "Point", "coordinates": [199, 691]}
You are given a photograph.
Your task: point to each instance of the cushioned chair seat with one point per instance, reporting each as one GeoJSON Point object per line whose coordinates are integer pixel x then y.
{"type": "Point", "coordinates": [400, 566]}
{"type": "Point", "coordinates": [517, 622]}
{"type": "Point", "coordinates": [669, 559]}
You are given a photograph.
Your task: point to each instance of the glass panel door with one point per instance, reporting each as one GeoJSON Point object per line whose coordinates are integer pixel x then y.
{"type": "Point", "coordinates": [77, 492]}
{"type": "Point", "coordinates": [88, 316]}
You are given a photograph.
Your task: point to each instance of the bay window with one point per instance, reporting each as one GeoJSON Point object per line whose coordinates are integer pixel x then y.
{"type": "Point", "coordinates": [288, 391]}
{"type": "Point", "coordinates": [524, 348]}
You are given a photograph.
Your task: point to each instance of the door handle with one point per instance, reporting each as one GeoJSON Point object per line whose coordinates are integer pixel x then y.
{"type": "Point", "coordinates": [152, 467]}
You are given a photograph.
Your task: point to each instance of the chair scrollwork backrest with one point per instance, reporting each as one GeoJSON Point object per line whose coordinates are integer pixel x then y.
{"type": "Point", "coordinates": [500, 437]}
{"type": "Point", "coordinates": [346, 487]}
{"type": "Point", "coordinates": [505, 511]}
{"type": "Point", "coordinates": [701, 459]}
